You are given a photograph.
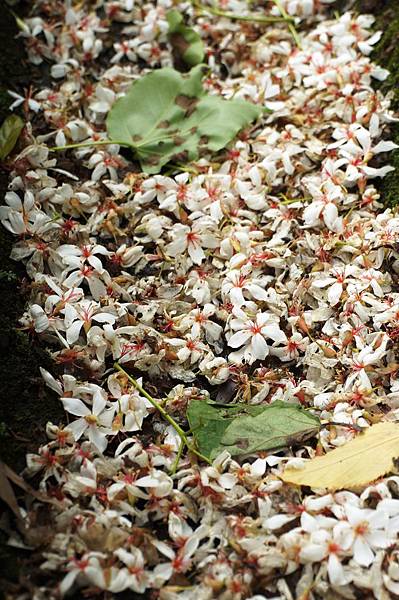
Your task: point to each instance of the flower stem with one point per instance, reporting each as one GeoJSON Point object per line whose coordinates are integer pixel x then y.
{"type": "Point", "coordinates": [152, 400]}
{"type": "Point", "coordinates": [177, 459]}
{"type": "Point", "coordinates": [165, 415]}
{"type": "Point", "coordinates": [88, 144]}
{"type": "Point", "coordinates": [235, 17]}
{"type": "Point", "coordinates": [291, 26]}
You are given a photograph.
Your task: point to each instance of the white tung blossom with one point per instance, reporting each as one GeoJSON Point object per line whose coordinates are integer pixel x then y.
{"type": "Point", "coordinates": [250, 335]}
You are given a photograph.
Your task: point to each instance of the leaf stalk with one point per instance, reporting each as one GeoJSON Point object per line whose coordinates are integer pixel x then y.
{"type": "Point", "coordinates": [88, 144]}
{"type": "Point", "coordinates": [250, 18]}
{"type": "Point", "coordinates": [291, 25]}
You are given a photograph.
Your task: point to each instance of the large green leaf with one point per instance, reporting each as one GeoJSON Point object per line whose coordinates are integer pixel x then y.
{"type": "Point", "coordinates": [248, 429]}
{"type": "Point", "coordinates": [9, 134]}
{"type": "Point", "coordinates": [167, 116]}
{"type": "Point", "coordinates": [185, 41]}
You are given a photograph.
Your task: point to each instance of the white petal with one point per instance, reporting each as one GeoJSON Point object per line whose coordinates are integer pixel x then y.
{"type": "Point", "coordinates": [308, 522]}
{"type": "Point", "coordinates": [99, 403]}
{"type": "Point", "coordinates": [95, 263]}
{"type": "Point", "coordinates": [97, 438]}
{"type": "Point", "coordinates": [312, 553]}
{"type": "Point", "coordinates": [321, 283]}
{"type": "Point", "coordinates": [384, 147]}
{"type": "Point", "coordinates": [227, 481]}
{"type": "Point", "coordinates": [178, 246]}
{"type": "Point", "coordinates": [51, 382]}
{"type": "Point", "coordinates": [330, 214]}
{"type": "Point", "coordinates": [312, 213]}
{"type": "Point", "coordinates": [259, 346]}
{"type": "Point", "coordinates": [13, 200]}
{"type": "Point", "coordinates": [379, 539]}
{"type": "Point", "coordinates": [335, 293]}
{"type": "Point", "coordinates": [68, 581]}
{"type": "Point", "coordinates": [147, 481]}
{"type": "Point", "coordinates": [336, 571]}
{"type": "Point", "coordinates": [75, 407]}
{"type": "Point", "coordinates": [239, 338]}
{"type": "Point", "coordinates": [78, 428]}
{"type": "Point", "coordinates": [277, 521]}
{"type": "Point", "coordinates": [73, 332]}
{"type": "Point", "coordinates": [163, 571]}
{"type": "Point", "coordinates": [274, 332]}
{"type": "Point", "coordinates": [362, 552]}
{"type": "Point", "coordinates": [256, 291]}
{"type": "Point", "coordinates": [104, 318]}
{"type": "Point", "coordinates": [236, 296]}
{"type": "Point", "coordinates": [196, 253]}
{"type": "Point", "coordinates": [355, 515]}
{"type": "Point", "coordinates": [97, 288]}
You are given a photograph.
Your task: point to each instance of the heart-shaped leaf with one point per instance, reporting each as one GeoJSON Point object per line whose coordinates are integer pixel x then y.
{"type": "Point", "coordinates": [167, 116]}
{"type": "Point", "coordinates": [186, 42]}
{"type": "Point", "coordinates": [248, 429]}
{"type": "Point", "coordinates": [9, 134]}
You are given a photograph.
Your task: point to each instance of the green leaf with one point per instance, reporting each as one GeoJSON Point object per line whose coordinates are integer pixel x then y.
{"type": "Point", "coordinates": [185, 41]}
{"type": "Point", "coordinates": [248, 429]}
{"type": "Point", "coordinates": [9, 134]}
{"type": "Point", "coordinates": [167, 116]}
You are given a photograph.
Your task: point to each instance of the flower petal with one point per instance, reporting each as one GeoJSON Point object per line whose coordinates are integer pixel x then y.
{"type": "Point", "coordinates": [362, 552]}
{"type": "Point", "coordinates": [274, 332]}
{"type": "Point", "coordinates": [239, 338]}
{"type": "Point", "coordinates": [259, 346]}
{"type": "Point", "coordinates": [75, 407]}
{"type": "Point", "coordinates": [334, 293]}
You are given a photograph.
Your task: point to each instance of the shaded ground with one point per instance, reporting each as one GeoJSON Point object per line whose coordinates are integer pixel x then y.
{"type": "Point", "coordinates": [25, 404]}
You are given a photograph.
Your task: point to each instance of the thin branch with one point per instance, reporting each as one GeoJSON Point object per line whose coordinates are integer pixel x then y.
{"type": "Point", "coordinates": [291, 26]}
{"type": "Point", "coordinates": [182, 434]}
{"type": "Point", "coordinates": [235, 17]}
{"type": "Point", "coordinates": [177, 459]}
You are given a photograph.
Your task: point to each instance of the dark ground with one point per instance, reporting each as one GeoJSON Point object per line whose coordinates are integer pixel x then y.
{"type": "Point", "coordinates": [25, 403]}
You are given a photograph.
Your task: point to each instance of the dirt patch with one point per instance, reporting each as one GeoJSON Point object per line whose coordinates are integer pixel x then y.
{"type": "Point", "coordinates": [25, 404]}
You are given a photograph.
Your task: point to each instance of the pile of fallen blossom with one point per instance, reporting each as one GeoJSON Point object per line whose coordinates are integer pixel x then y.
{"type": "Point", "coordinates": [268, 271]}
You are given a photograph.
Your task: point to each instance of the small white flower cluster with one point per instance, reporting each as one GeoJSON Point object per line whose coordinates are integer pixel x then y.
{"type": "Point", "coordinates": [268, 275]}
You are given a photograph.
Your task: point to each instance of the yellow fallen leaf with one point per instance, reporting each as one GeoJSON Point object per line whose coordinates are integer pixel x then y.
{"type": "Point", "coordinates": [362, 460]}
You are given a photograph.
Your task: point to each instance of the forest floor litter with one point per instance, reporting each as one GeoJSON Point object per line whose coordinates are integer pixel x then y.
{"type": "Point", "coordinates": [193, 197]}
